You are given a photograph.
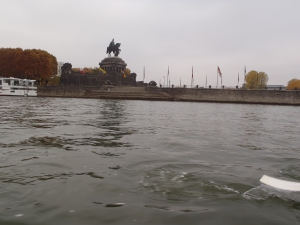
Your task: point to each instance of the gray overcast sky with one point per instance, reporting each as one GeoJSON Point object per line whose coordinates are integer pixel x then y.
{"type": "Point", "coordinates": [263, 35]}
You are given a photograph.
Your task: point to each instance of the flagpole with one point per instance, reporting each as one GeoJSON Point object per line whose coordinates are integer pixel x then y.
{"type": "Point", "coordinates": [206, 82]}
{"type": "Point", "coordinates": [244, 76]}
{"type": "Point", "coordinates": [168, 78]}
{"type": "Point", "coordinates": [217, 76]}
{"type": "Point", "coordinates": [221, 80]}
{"type": "Point", "coordinates": [144, 75]}
{"type": "Point", "coordinates": [192, 80]}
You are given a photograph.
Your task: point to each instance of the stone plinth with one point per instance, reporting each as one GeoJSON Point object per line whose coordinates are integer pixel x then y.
{"type": "Point", "coordinates": [113, 64]}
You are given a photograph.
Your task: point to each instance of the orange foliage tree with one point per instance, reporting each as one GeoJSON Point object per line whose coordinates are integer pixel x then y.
{"type": "Point", "coordinates": [293, 84]}
{"type": "Point", "coordinates": [33, 64]}
{"type": "Point", "coordinates": [88, 70]}
{"type": "Point", "coordinates": [76, 70]}
{"type": "Point", "coordinates": [127, 71]}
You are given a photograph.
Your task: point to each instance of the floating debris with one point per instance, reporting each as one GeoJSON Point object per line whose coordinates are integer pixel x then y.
{"type": "Point", "coordinates": [19, 215]}
{"type": "Point", "coordinates": [115, 205]}
{"type": "Point", "coordinates": [98, 203]}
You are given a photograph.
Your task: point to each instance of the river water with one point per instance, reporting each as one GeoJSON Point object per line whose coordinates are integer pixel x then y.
{"type": "Point", "coordinates": [70, 161]}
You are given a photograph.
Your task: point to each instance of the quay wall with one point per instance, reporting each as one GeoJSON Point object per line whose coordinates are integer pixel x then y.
{"type": "Point", "coordinates": [277, 97]}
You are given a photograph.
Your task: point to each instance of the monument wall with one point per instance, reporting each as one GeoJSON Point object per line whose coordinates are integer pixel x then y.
{"type": "Point", "coordinates": [174, 94]}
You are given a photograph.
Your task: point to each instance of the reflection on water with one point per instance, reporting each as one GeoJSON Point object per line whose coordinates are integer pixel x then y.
{"type": "Point", "coordinates": [89, 161]}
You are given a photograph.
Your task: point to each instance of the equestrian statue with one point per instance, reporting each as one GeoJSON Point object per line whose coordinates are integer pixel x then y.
{"type": "Point", "coordinates": [113, 48]}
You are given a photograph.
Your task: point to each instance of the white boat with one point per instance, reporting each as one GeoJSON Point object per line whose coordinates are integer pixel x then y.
{"type": "Point", "coordinates": [17, 87]}
{"type": "Point", "coordinates": [280, 184]}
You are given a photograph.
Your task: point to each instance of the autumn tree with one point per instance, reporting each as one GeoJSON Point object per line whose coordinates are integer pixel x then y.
{"type": "Point", "coordinates": [89, 70]}
{"type": "Point", "coordinates": [293, 84]}
{"type": "Point", "coordinates": [256, 80]}
{"type": "Point", "coordinates": [127, 71]}
{"type": "Point", "coordinates": [33, 64]}
{"type": "Point", "coordinates": [76, 70]}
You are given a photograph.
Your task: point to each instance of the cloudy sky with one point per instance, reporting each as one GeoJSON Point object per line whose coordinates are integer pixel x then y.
{"type": "Point", "coordinates": [263, 35]}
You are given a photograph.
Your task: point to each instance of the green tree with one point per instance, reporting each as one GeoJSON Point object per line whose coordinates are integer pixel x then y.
{"type": "Point", "coordinates": [54, 81]}
{"type": "Point", "coordinates": [256, 80]}
{"type": "Point", "coordinates": [293, 84]}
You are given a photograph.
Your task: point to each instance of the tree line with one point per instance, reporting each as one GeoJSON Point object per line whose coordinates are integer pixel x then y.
{"type": "Point", "coordinates": [96, 70]}
{"type": "Point", "coordinates": [258, 80]}
{"type": "Point", "coordinates": [33, 64]}
{"type": "Point", "coordinates": [89, 70]}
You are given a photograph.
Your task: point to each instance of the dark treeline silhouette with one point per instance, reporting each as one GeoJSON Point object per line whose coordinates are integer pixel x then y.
{"type": "Point", "coordinates": [33, 64]}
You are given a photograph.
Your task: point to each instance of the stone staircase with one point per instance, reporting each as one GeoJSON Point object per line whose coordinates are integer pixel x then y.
{"type": "Point", "coordinates": [136, 95]}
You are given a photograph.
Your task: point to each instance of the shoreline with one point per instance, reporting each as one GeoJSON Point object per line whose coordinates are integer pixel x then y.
{"type": "Point", "coordinates": [233, 96]}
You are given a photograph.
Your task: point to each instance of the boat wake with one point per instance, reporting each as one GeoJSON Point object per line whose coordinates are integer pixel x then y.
{"type": "Point", "coordinates": [264, 192]}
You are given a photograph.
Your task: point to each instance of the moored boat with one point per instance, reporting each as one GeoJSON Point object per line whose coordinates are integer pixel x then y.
{"type": "Point", "coordinates": [17, 87]}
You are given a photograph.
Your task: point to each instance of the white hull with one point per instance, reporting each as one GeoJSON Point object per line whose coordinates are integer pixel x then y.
{"type": "Point", "coordinates": [17, 87]}
{"type": "Point", "coordinates": [281, 184]}
{"type": "Point", "coordinates": [27, 93]}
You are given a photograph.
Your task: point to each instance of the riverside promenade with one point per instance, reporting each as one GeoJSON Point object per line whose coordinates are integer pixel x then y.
{"type": "Point", "coordinates": [273, 97]}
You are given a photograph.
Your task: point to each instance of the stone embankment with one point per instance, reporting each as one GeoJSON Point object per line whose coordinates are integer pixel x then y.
{"type": "Point", "coordinates": [175, 94]}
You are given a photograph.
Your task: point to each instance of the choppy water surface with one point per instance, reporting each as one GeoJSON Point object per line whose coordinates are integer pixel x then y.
{"type": "Point", "coordinates": [69, 161]}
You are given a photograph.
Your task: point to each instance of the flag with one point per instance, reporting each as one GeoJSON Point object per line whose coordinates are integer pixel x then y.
{"type": "Point", "coordinates": [192, 81]}
{"type": "Point", "coordinates": [192, 73]}
{"type": "Point", "coordinates": [219, 72]}
{"type": "Point", "coordinates": [245, 75]}
{"type": "Point", "coordinates": [238, 77]}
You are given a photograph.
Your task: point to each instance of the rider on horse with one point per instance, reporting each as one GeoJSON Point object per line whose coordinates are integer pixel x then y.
{"type": "Point", "coordinates": [113, 48]}
{"type": "Point", "coordinates": [112, 43]}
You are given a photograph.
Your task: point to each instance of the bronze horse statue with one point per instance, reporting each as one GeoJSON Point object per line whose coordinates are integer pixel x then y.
{"type": "Point", "coordinates": [114, 48]}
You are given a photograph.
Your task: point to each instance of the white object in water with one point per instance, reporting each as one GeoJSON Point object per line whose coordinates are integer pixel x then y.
{"type": "Point", "coordinates": [281, 184]}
